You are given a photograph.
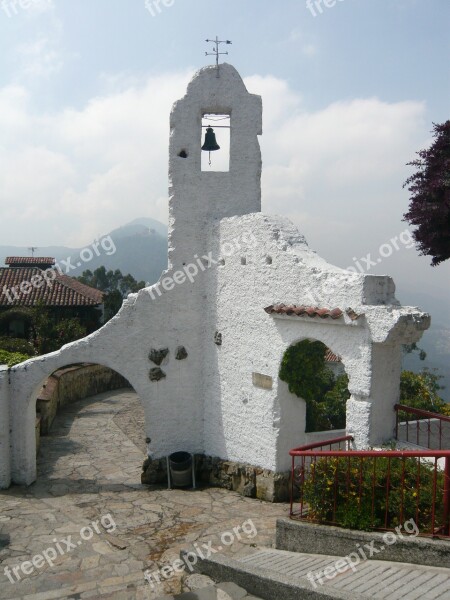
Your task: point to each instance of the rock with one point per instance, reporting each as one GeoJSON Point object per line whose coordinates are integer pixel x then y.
{"type": "Point", "coordinates": [198, 581]}
{"type": "Point", "coordinates": [156, 374]}
{"type": "Point", "coordinates": [157, 356]}
{"type": "Point", "coordinates": [181, 353]}
{"type": "Point", "coordinates": [232, 590]}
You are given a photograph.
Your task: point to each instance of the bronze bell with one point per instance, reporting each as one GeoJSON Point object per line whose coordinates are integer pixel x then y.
{"type": "Point", "coordinates": [210, 141]}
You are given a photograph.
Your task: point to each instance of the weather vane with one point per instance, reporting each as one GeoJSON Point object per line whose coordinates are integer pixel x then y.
{"type": "Point", "coordinates": [32, 249]}
{"type": "Point", "coordinates": [216, 52]}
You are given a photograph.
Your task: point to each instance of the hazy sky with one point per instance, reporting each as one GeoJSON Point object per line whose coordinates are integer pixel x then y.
{"type": "Point", "coordinates": [349, 96]}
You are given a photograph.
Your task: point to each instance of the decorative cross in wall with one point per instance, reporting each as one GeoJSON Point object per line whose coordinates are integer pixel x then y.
{"type": "Point", "coordinates": [216, 52]}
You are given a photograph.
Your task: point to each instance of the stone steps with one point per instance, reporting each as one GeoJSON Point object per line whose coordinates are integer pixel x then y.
{"type": "Point", "coordinates": [279, 574]}
{"type": "Point", "coordinates": [221, 591]}
{"type": "Point", "coordinates": [385, 580]}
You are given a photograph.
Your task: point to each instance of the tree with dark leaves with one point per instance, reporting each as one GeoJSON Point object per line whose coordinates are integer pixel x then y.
{"type": "Point", "coordinates": [429, 208]}
{"type": "Point", "coordinates": [115, 285]}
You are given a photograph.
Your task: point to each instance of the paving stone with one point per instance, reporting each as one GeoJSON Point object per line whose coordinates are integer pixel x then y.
{"type": "Point", "coordinates": [90, 466]}
{"type": "Point", "coordinates": [232, 590]}
{"type": "Point", "coordinates": [197, 581]}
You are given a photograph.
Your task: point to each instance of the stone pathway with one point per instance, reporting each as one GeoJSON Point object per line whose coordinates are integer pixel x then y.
{"type": "Point", "coordinates": [88, 529]}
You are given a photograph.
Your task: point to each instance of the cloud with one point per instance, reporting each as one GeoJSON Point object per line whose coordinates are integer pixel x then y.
{"type": "Point", "coordinates": [69, 176]}
{"type": "Point", "coordinates": [338, 171]}
{"type": "Point", "coordinates": [40, 58]}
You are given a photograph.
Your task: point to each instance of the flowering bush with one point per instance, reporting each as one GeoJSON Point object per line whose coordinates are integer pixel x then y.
{"type": "Point", "coordinates": [364, 493]}
{"type": "Point", "coordinates": [12, 358]}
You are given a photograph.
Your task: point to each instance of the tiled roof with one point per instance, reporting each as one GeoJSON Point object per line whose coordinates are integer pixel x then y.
{"type": "Point", "coordinates": [18, 261]}
{"type": "Point", "coordinates": [332, 357]}
{"type": "Point", "coordinates": [304, 311]}
{"type": "Point", "coordinates": [62, 291]}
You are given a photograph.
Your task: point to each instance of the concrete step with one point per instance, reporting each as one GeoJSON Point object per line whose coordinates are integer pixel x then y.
{"type": "Point", "coordinates": [279, 574]}
{"type": "Point", "coordinates": [221, 591]}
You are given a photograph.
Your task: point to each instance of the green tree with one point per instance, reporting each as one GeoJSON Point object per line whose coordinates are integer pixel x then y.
{"type": "Point", "coordinates": [429, 208]}
{"type": "Point", "coordinates": [115, 285]}
{"type": "Point", "coordinates": [50, 334]}
{"type": "Point", "coordinates": [420, 390]}
{"type": "Point", "coordinates": [305, 371]}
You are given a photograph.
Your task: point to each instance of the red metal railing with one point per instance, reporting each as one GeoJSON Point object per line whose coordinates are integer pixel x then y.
{"type": "Point", "coordinates": [370, 489]}
{"type": "Point", "coordinates": [346, 440]}
{"type": "Point", "coordinates": [428, 429]}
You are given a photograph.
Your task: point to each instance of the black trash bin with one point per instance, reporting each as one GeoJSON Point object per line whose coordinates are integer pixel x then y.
{"type": "Point", "coordinates": [181, 469]}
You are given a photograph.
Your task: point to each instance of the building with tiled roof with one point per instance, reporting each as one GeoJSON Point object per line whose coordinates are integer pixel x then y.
{"type": "Point", "coordinates": [28, 281]}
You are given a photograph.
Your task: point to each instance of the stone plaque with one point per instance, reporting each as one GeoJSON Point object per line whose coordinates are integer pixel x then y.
{"type": "Point", "coordinates": [264, 382]}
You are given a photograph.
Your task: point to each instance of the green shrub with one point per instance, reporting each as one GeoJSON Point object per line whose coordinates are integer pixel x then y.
{"type": "Point", "coordinates": [17, 345]}
{"type": "Point", "coordinates": [351, 492]}
{"type": "Point", "coordinates": [304, 369]}
{"type": "Point", "coordinates": [12, 358]}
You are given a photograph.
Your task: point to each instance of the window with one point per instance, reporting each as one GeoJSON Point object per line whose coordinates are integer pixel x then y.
{"type": "Point", "coordinates": [220, 159]}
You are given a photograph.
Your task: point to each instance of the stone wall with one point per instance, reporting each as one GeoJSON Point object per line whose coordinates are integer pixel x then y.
{"type": "Point", "coordinates": [72, 384]}
{"type": "Point", "coordinates": [250, 481]}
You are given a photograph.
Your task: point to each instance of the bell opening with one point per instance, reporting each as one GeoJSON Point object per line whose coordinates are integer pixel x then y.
{"type": "Point", "coordinates": [215, 143]}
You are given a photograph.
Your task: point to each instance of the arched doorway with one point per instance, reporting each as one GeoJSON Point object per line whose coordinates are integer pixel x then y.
{"type": "Point", "coordinates": [315, 374]}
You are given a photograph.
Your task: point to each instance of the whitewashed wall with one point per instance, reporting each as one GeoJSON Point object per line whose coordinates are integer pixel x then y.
{"type": "Point", "coordinates": [208, 402]}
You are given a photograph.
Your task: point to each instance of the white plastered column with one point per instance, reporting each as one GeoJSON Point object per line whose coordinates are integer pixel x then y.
{"type": "Point", "coordinates": [5, 450]}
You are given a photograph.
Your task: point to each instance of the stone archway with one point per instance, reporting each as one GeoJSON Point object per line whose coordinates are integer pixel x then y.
{"type": "Point", "coordinates": [291, 417]}
{"type": "Point", "coordinates": [24, 391]}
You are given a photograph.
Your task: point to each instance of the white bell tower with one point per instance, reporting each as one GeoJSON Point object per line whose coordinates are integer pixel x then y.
{"type": "Point", "coordinates": [196, 196]}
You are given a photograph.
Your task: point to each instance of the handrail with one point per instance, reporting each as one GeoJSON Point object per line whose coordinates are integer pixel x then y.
{"type": "Point", "coordinates": [428, 425]}
{"type": "Point", "coordinates": [440, 496]}
{"type": "Point", "coordinates": [422, 413]}
{"type": "Point", "coordinates": [376, 453]}
{"type": "Point", "coordinates": [294, 452]}
{"type": "Point", "coordinates": [344, 438]}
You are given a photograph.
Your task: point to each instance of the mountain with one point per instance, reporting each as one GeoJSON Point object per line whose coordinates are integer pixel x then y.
{"type": "Point", "coordinates": [141, 250]}
{"type": "Point", "coordinates": [435, 341]}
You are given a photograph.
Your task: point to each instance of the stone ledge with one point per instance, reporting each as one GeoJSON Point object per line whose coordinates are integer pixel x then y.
{"type": "Point", "coordinates": [247, 480]}
{"type": "Point", "coordinates": [263, 585]}
{"type": "Point", "coordinates": [310, 538]}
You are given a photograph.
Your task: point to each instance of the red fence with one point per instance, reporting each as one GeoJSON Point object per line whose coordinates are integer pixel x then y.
{"type": "Point", "coordinates": [370, 489]}
{"type": "Point", "coordinates": [421, 427]}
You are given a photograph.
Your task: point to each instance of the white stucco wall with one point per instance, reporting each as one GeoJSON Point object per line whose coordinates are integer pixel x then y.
{"type": "Point", "coordinates": [209, 402]}
{"type": "Point", "coordinates": [5, 462]}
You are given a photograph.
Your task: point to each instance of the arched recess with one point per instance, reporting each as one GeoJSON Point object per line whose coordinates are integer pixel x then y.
{"type": "Point", "coordinates": [27, 379]}
{"type": "Point", "coordinates": [291, 417]}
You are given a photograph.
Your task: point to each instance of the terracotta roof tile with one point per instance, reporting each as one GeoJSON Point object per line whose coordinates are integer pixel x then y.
{"type": "Point", "coordinates": [62, 291]}
{"type": "Point", "coordinates": [20, 261]}
{"type": "Point", "coordinates": [299, 311]}
{"type": "Point", "coordinates": [332, 357]}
